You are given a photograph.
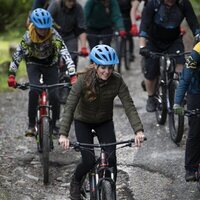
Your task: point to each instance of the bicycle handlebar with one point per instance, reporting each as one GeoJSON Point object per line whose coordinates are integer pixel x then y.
{"type": "Point", "coordinates": [78, 145]}
{"type": "Point", "coordinates": [171, 55]}
{"type": "Point", "coordinates": [78, 53]}
{"type": "Point", "coordinates": [27, 85]}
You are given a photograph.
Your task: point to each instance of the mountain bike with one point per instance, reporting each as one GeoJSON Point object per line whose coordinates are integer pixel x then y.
{"type": "Point", "coordinates": [194, 113]}
{"type": "Point", "coordinates": [165, 92]}
{"type": "Point", "coordinates": [101, 178]}
{"type": "Point", "coordinates": [125, 52]}
{"type": "Point", "coordinates": [43, 125]}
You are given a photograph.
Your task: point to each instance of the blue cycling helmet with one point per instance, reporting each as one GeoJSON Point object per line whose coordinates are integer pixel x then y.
{"type": "Point", "coordinates": [41, 18]}
{"type": "Point", "coordinates": [103, 55]}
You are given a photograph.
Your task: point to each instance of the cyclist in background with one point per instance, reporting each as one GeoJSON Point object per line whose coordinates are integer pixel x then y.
{"type": "Point", "coordinates": [160, 32]}
{"type": "Point", "coordinates": [126, 8]}
{"type": "Point", "coordinates": [135, 15]}
{"type": "Point", "coordinates": [190, 83]}
{"type": "Point", "coordinates": [90, 102]}
{"type": "Point", "coordinates": [41, 47]}
{"type": "Point", "coordinates": [69, 19]}
{"type": "Point", "coordinates": [100, 17]}
{"type": "Point", "coordinates": [41, 4]}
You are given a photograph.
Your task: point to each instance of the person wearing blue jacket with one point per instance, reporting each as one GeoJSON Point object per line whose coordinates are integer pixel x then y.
{"type": "Point", "coordinates": [190, 84]}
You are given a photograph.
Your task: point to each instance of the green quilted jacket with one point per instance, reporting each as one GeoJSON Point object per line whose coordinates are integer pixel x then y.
{"type": "Point", "coordinates": [101, 109]}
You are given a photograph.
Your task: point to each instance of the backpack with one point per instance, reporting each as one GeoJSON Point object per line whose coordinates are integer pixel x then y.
{"type": "Point", "coordinates": [180, 4]}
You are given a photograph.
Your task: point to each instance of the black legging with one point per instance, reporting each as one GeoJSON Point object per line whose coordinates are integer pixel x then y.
{"type": "Point", "coordinates": [192, 153]}
{"type": "Point", "coordinates": [105, 134]}
{"type": "Point", "coordinates": [50, 76]}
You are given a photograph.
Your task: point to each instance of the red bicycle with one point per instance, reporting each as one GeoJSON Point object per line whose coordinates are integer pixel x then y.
{"type": "Point", "coordinates": [43, 125]}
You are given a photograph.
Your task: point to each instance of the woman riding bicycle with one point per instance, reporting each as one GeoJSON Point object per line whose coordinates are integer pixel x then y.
{"type": "Point", "coordinates": [90, 102]}
{"type": "Point", "coordinates": [190, 83]}
{"type": "Point", "coordinates": [41, 47]}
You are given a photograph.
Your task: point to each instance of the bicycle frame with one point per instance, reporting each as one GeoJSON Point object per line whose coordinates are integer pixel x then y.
{"type": "Point", "coordinates": [43, 125]}
{"type": "Point", "coordinates": [98, 174]}
{"type": "Point", "coordinates": [102, 186]}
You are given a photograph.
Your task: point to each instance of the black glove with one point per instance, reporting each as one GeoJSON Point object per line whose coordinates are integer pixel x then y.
{"type": "Point", "coordinates": [197, 38]}
{"type": "Point", "coordinates": [144, 51]}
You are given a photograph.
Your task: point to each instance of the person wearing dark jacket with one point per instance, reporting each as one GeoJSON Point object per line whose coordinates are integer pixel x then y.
{"type": "Point", "coordinates": [190, 84]}
{"type": "Point", "coordinates": [160, 32]}
{"type": "Point", "coordinates": [101, 18]}
{"type": "Point", "coordinates": [70, 23]}
{"type": "Point", "coordinates": [90, 104]}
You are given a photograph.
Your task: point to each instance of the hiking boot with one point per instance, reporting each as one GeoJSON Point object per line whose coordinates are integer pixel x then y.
{"type": "Point", "coordinates": [75, 189]}
{"type": "Point", "coordinates": [30, 132]}
{"type": "Point", "coordinates": [190, 176]}
{"type": "Point", "coordinates": [151, 104]}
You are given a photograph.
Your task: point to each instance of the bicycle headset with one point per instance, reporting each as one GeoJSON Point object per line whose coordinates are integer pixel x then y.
{"type": "Point", "coordinates": [41, 18]}
{"type": "Point", "coordinates": [103, 55]}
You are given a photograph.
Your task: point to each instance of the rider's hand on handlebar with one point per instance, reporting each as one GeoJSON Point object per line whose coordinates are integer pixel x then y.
{"type": "Point", "coordinates": [178, 110]}
{"type": "Point", "coordinates": [122, 33]}
{"type": "Point", "coordinates": [11, 81]}
{"type": "Point", "coordinates": [84, 51]}
{"type": "Point", "coordinates": [73, 79]}
{"type": "Point", "coordinates": [137, 17]}
{"type": "Point", "coordinates": [144, 51]}
{"type": "Point", "coordinates": [197, 38]}
{"type": "Point", "coordinates": [139, 138]}
{"type": "Point", "coordinates": [64, 141]}
{"type": "Point", "coordinates": [134, 30]}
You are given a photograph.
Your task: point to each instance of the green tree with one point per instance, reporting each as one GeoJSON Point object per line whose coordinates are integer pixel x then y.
{"type": "Point", "coordinates": [13, 13]}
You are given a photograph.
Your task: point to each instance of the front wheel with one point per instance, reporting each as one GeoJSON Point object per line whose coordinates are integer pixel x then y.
{"type": "Point", "coordinates": [161, 103]}
{"type": "Point", "coordinates": [46, 148]}
{"type": "Point", "coordinates": [107, 190]}
{"type": "Point", "coordinates": [176, 122]}
{"type": "Point", "coordinates": [127, 54]}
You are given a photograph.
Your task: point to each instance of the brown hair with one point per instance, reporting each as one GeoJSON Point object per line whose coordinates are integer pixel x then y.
{"type": "Point", "coordinates": [90, 82]}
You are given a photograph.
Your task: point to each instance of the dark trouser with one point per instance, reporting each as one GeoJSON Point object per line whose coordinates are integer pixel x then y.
{"type": "Point", "coordinates": [50, 76]}
{"type": "Point", "coordinates": [105, 134]}
{"type": "Point", "coordinates": [151, 65]}
{"type": "Point", "coordinates": [94, 40]}
{"type": "Point", "coordinates": [127, 24]}
{"type": "Point", "coordinates": [72, 45]}
{"type": "Point", "coordinates": [192, 153]}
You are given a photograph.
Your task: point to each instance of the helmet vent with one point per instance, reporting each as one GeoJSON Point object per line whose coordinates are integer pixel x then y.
{"type": "Point", "coordinates": [97, 56]}
{"type": "Point", "coordinates": [105, 57]}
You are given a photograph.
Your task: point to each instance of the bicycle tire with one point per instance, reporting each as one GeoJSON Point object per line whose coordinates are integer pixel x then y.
{"type": "Point", "coordinates": [176, 122]}
{"type": "Point", "coordinates": [127, 54]}
{"type": "Point", "coordinates": [198, 178]}
{"type": "Point", "coordinates": [46, 148]}
{"type": "Point", "coordinates": [161, 96]}
{"type": "Point", "coordinates": [39, 137]}
{"type": "Point", "coordinates": [106, 191]}
{"type": "Point", "coordinates": [121, 54]}
{"type": "Point", "coordinates": [92, 184]}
